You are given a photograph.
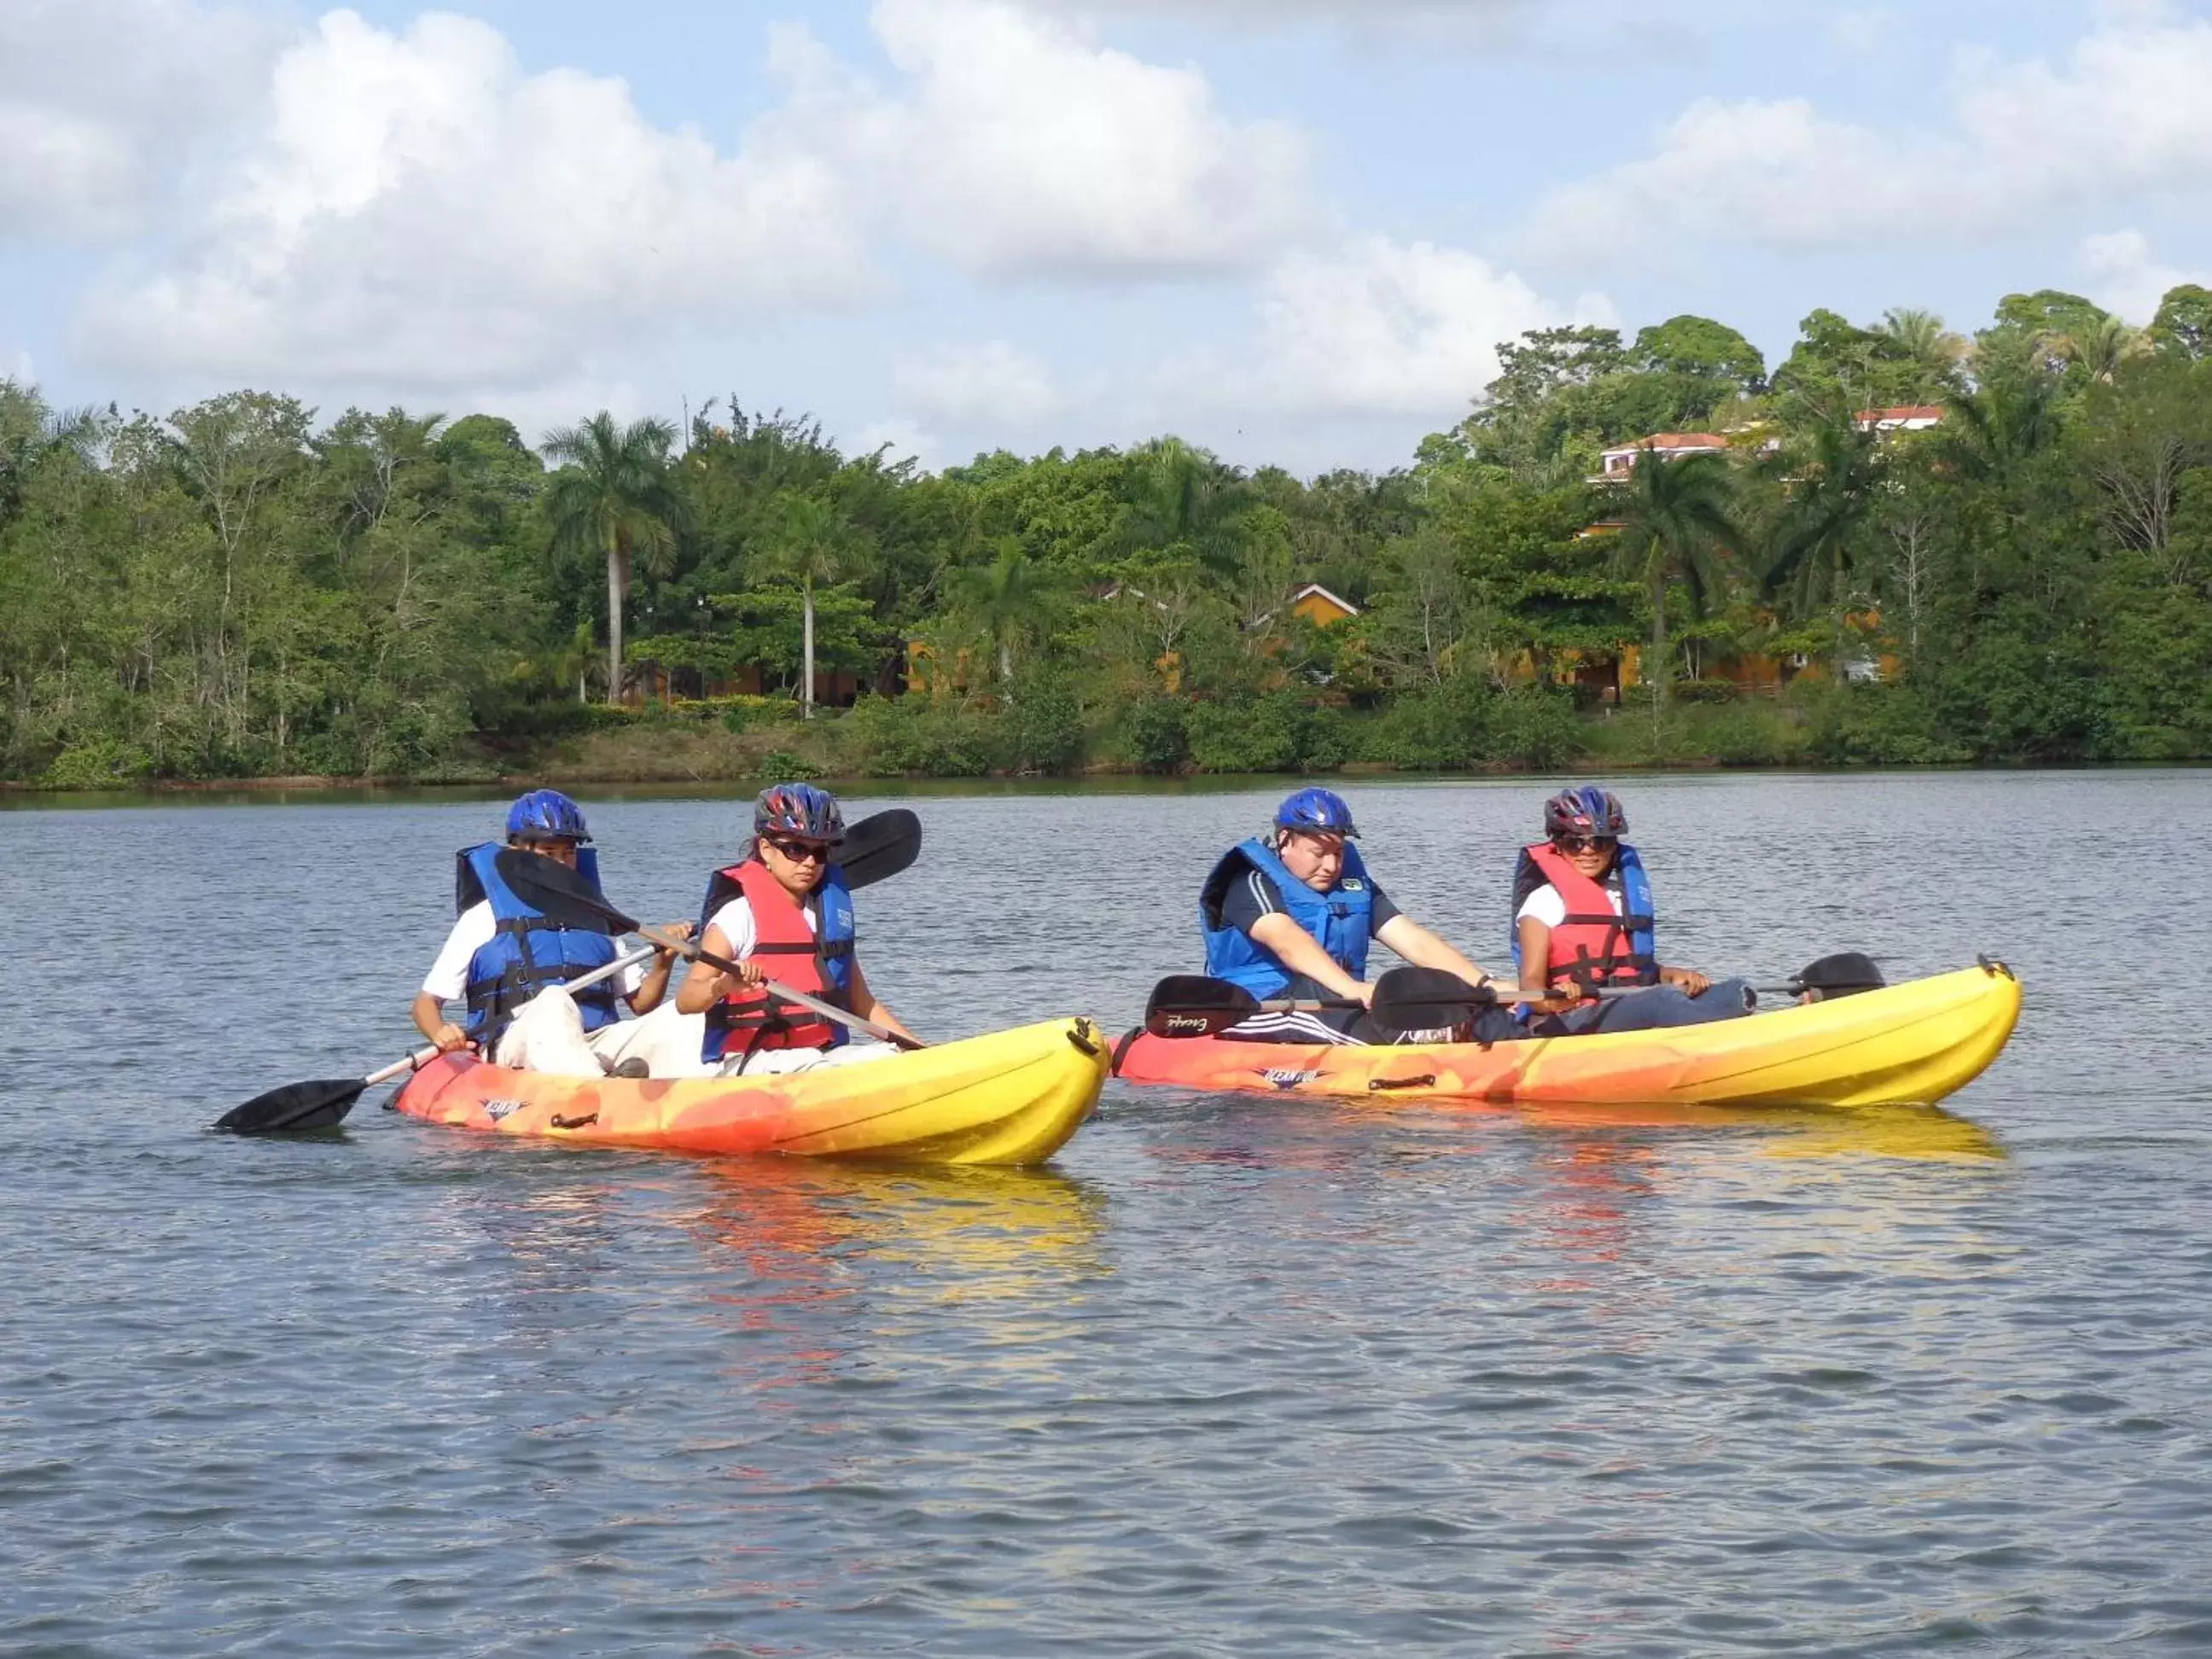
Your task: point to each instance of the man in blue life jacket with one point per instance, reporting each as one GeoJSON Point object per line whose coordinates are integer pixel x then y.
{"type": "Point", "coordinates": [509, 964]}
{"type": "Point", "coordinates": [1289, 915]}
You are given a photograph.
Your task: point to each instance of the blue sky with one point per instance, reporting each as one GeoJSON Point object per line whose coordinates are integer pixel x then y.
{"type": "Point", "coordinates": [1294, 230]}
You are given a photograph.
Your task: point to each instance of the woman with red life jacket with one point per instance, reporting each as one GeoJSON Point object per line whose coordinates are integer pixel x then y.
{"type": "Point", "coordinates": [782, 912]}
{"type": "Point", "coordinates": [1583, 920]}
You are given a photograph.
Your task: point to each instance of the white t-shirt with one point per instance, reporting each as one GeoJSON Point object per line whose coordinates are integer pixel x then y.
{"type": "Point", "coordinates": [1547, 905]}
{"type": "Point", "coordinates": [735, 918]}
{"type": "Point", "coordinates": [448, 978]}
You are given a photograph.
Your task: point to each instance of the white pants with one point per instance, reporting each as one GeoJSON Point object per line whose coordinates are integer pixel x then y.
{"type": "Point", "coordinates": [547, 1034]}
{"type": "Point", "coordinates": [779, 1063]}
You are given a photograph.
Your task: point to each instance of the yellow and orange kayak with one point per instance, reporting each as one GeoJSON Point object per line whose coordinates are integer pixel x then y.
{"type": "Point", "coordinates": [1909, 1044]}
{"type": "Point", "coordinates": [1008, 1097]}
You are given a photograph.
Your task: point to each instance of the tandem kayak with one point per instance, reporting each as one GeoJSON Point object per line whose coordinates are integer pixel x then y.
{"type": "Point", "coordinates": [1009, 1097]}
{"type": "Point", "coordinates": [1909, 1044]}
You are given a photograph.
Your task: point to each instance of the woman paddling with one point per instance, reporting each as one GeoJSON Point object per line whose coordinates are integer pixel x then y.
{"type": "Point", "coordinates": [1583, 920]}
{"type": "Point", "coordinates": [782, 912]}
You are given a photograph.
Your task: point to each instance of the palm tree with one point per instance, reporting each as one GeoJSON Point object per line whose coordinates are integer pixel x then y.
{"type": "Point", "coordinates": [810, 542]}
{"type": "Point", "coordinates": [1833, 481]}
{"type": "Point", "coordinates": [615, 495]}
{"type": "Point", "coordinates": [1185, 497]}
{"type": "Point", "coordinates": [1675, 519]}
{"type": "Point", "coordinates": [1008, 596]}
{"type": "Point", "coordinates": [1921, 336]}
{"type": "Point", "coordinates": [2103, 346]}
{"type": "Point", "coordinates": [31, 432]}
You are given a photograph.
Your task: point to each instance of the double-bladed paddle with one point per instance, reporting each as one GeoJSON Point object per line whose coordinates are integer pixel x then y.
{"type": "Point", "coordinates": [323, 1104]}
{"type": "Point", "coordinates": [884, 849]}
{"type": "Point", "coordinates": [1429, 999]}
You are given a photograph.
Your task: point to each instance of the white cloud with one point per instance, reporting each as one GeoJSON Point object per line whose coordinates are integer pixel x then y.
{"type": "Point", "coordinates": [2126, 112]}
{"type": "Point", "coordinates": [98, 97]}
{"type": "Point", "coordinates": [416, 206]}
{"type": "Point", "coordinates": [2125, 279]}
{"type": "Point", "coordinates": [993, 386]}
{"type": "Point", "coordinates": [1391, 327]}
{"type": "Point", "coordinates": [1020, 146]}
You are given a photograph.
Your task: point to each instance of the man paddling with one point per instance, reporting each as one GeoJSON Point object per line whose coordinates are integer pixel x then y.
{"type": "Point", "coordinates": [1290, 915]}
{"type": "Point", "coordinates": [783, 912]}
{"type": "Point", "coordinates": [1583, 920]}
{"type": "Point", "coordinates": [508, 963]}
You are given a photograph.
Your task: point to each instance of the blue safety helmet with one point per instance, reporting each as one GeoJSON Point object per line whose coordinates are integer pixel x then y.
{"type": "Point", "coordinates": [1316, 812]}
{"type": "Point", "coordinates": [1585, 810]}
{"type": "Point", "coordinates": [546, 815]}
{"type": "Point", "coordinates": [799, 810]}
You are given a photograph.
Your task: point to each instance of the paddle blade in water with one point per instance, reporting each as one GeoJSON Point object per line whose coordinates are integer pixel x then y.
{"type": "Point", "coordinates": [1191, 1005]}
{"type": "Point", "coordinates": [293, 1107]}
{"type": "Point", "coordinates": [562, 893]}
{"type": "Point", "coordinates": [880, 844]}
{"type": "Point", "coordinates": [1427, 999]}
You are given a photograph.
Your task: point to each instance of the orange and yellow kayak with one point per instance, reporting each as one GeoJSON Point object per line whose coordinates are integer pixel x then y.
{"type": "Point", "coordinates": [1009, 1097]}
{"type": "Point", "coordinates": [1909, 1044]}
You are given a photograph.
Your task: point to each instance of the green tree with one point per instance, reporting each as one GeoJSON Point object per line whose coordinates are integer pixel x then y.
{"type": "Point", "coordinates": [1676, 522]}
{"type": "Point", "coordinates": [2184, 324]}
{"type": "Point", "coordinates": [1833, 475]}
{"type": "Point", "coordinates": [1010, 597]}
{"type": "Point", "coordinates": [614, 496]}
{"type": "Point", "coordinates": [810, 542]}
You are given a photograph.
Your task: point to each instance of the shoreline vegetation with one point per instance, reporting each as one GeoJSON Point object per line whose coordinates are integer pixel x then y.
{"type": "Point", "coordinates": [1900, 546]}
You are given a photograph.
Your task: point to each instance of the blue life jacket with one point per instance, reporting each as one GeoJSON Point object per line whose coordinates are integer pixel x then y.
{"type": "Point", "coordinates": [1593, 944]}
{"type": "Point", "coordinates": [529, 951]}
{"type": "Point", "coordinates": [1339, 920]}
{"type": "Point", "coordinates": [818, 960]}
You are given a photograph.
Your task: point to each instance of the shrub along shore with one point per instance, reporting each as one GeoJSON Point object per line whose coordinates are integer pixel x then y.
{"type": "Point", "coordinates": [1993, 549]}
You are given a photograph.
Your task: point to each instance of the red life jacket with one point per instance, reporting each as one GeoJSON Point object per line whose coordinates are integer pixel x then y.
{"type": "Point", "coordinates": [1596, 945]}
{"type": "Point", "coordinates": [816, 960]}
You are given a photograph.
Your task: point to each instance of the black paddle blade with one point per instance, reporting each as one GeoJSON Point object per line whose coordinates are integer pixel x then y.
{"type": "Point", "coordinates": [293, 1107]}
{"type": "Point", "coordinates": [562, 893]}
{"type": "Point", "coordinates": [1192, 1005]}
{"type": "Point", "coordinates": [880, 844]}
{"type": "Point", "coordinates": [1427, 999]}
{"type": "Point", "coordinates": [1844, 975]}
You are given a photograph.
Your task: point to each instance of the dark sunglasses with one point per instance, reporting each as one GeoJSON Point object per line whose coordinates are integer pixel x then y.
{"type": "Point", "coordinates": [799, 852]}
{"type": "Point", "coordinates": [1587, 843]}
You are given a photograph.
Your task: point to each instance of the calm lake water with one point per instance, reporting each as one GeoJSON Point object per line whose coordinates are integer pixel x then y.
{"type": "Point", "coordinates": [1235, 1376]}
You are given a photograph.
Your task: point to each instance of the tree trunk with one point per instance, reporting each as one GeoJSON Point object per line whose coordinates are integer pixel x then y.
{"type": "Point", "coordinates": [1656, 670]}
{"type": "Point", "coordinates": [1005, 661]}
{"type": "Point", "coordinates": [614, 622]}
{"type": "Point", "coordinates": [806, 670]}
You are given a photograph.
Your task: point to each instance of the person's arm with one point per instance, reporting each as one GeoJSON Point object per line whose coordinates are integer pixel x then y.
{"type": "Point", "coordinates": [1535, 935]}
{"type": "Point", "coordinates": [1418, 945]}
{"type": "Point", "coordinates": [706, 984]}
{"type": "Point", "coordinates": [655, 986]}
{"type": "Point", "coordinates": [1300, 952]}
{"type": "Point", "coordinates": [1688, 980]}
{"type": "Point", "coordinates": [430, 1020]}
{"type": "Point", "coordinates": [865, 1005]}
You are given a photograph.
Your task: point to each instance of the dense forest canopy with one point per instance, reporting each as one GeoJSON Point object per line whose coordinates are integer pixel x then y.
{"type": "Point", "coordinates": [2018, 561]}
